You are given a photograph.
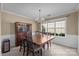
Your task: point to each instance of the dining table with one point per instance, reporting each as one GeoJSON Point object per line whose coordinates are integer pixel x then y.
{"type": "Point", "coordinates": [43, 39]}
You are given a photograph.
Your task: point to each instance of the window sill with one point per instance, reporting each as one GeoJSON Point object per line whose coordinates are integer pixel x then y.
{"type": "Point", "coordinates": [60, 36]}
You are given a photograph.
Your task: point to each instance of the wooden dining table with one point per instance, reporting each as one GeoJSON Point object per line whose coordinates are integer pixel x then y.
{"type": "Point", "coordinates": [42, 39]}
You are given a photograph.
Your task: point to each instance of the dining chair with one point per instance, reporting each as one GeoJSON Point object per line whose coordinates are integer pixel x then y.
{"type": "Point", "coordinates": [33, 48]}
{"type": "Point", "coordinates": [23, 45]}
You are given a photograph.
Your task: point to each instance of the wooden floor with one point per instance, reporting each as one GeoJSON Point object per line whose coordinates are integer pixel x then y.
{"type": "Point", "coordinates": [54, 50]}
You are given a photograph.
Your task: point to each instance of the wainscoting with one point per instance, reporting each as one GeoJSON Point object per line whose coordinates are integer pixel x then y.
{"type": "Point", "coordinates": [78, 44]}
{"type": "Point", "coordinates": [11, 38]}
{"type": "Point", "coordinates": [68, 40]}
{"type": "Point", "coordinates": [0, 45]}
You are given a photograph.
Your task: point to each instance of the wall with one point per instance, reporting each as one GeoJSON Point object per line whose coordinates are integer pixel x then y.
{"type": "Point", "coordinates": [8, 26]}
{"type": "Point", "coordinates": [0, 23]}
{"type": "Point", "coordinates": [38, 27]}
{"type": "Point", "coordinates": [72, 24]}
{"type": "Point", "coordinates": [8, 21]}
{"type": "Point", "coordinates": [78, 31]}
{"type": "Point", "coordinates": [0, 33]}
{"type": "Point", "coordinates": [71, 37]}
{"type": "Point", "coordinates": [0, 29]}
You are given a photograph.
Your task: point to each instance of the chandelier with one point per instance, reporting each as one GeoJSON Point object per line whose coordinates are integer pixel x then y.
{"type": "Point", "coordinates": [40, 19]}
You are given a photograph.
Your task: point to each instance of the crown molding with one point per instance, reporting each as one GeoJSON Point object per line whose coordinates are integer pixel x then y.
{"type": "Point", "coordinates": [16, 14]}
{"type": "Point", "coordinates": [64, 15]}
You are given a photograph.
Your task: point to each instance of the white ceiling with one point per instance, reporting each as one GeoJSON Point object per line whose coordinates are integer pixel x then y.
{"type": "Point", "coordinates": [47, 9]}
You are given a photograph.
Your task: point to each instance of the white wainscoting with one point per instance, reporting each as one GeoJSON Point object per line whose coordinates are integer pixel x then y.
{"type": "Point", "coordinates": [10, 37]}
{"type": "Point", "coordinates": [0, 46]}
{"type": "Point", "coordinates": [68, 40]}
{"type": "Point", "coordinates": [78, 43]}
{"type": "Point", "coordinates": [0, 43]}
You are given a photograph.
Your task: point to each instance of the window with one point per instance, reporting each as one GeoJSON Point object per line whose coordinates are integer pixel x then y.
{"type": "Point", "coordinates": [51, 27]}
{"type": "Point", "coordinates": [60, 28]}
{"type": "Point", "coordinates": [55, 28]}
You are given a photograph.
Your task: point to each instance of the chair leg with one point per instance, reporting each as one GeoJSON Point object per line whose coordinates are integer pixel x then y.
{"type": "Point", "coordinates": [20, 48]}
{"type": "Point", "coordinates": [24, 51]}
{"type": "Point", "coordinates": [41, 52]}
{"type": "Point", "coordinates": [44, 46]}
{"type": "Point", "coordinates": [38, 51]}
{"type": "Point", "coordinates": [48, 45]}
{"type": "Point", "coordinates": [27, 51]}
{"type": "Point", "coordinates": [33, 54]}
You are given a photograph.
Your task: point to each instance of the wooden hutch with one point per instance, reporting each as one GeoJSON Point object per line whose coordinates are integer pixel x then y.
{"type": "Point", "coordinates": [22, 31]}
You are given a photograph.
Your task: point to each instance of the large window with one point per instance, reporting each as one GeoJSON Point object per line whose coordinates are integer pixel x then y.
{"type": "Point", "coordinates": [55, 28]}
{"type": "Point", "coordinates": [51, 27]}
{"type": "Point", "coordinates": [60, 28]}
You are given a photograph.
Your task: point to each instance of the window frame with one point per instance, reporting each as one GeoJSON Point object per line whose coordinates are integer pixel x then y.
{"type": "Point", "coordinates": [57, 20]}
{"type": "Point", "coordinates": [64, 27]}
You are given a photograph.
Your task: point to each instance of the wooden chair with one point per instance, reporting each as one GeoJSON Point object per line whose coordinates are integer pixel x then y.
{"type": "Point", "coordinates": [23, 46]}
{"type": "Point", "coordinates": [32, 47]}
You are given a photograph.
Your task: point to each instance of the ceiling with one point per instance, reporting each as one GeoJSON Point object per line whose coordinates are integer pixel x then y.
{"type": "Point", "coordinates": [48, 10]}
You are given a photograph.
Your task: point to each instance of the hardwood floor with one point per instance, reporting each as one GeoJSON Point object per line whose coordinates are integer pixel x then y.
{"type": "Point", "coordinates": [54, 50]}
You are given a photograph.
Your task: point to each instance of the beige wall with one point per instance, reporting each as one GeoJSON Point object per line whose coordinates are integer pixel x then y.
{"type": "Point", "coordinates": [0, 23]}
{"type": "Point", "coordinates": [8, 26]}
{"type": "Point", "coordinates": [78, 22]}
{"type": "Point", "coordinates": [38, 27]}
{"type": "Point", "coordinates": [72, 24]}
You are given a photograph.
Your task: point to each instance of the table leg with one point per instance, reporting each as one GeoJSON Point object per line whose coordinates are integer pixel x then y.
{"type": "Point", "coordinates": [50, 43]}
{"type": "Point", "coordinates": [47, 45]}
